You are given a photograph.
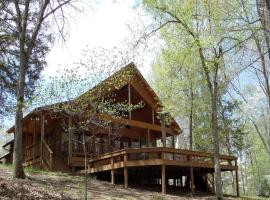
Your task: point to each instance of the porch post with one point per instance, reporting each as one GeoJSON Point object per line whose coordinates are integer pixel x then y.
{"type": "Point", "coordinates": [163, 131]}
{"type": "Point", "coordinates": [34, 139]}
{"type": "Point", "coordinates": [163, 179]}
{"type": "Point", "coordinates": [70, 133]}
{"type": "Point", "coordinates": [236, 179]}
{"type": "Point", "coordinates": [129, 101]}
{"type": "Point", "coordinates": [153, 116]}
{"type": "Point", "coordinates": [149, 138]}
{"type": "Point", "coordinates": [173, 142]}
{"type": "Point", "coordinates": [41, 138]}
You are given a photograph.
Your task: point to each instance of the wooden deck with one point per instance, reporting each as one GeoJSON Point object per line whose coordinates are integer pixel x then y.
{"type": "Point", "coordinates": [158, 164]}
{"type": "Point", "coordinates": [151, 156]}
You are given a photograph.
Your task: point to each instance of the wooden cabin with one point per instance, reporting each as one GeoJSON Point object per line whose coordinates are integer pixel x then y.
{"type": "Point", "coordinates": [139, 148]}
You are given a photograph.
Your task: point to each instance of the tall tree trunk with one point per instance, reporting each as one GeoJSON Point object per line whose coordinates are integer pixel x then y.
{"type": "Point", "coordinates": [191, 120]}
{"type": "Point", "coordinates": [227, 135]}
{"type": "Point", "coordinates": [253, 173]}
{"type": "Point", "coordinates": [262, 9]}
{"type": "Point", "coordinates": [243, 180]}
{"type": "Point", "coordinates": [17, 158]}
{"type": "Point", "coordinates": [216, 144]}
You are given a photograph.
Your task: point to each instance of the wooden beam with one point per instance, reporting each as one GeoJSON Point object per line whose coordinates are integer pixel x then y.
{"type": "Point", "coordinates": [135, 123]}
{"type": "Point", "coordinates": [144, 94]}
{"type": "Point", "coordinates": [163, 177]}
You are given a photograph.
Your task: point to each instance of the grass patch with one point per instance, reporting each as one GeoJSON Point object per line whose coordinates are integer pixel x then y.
{"type": "Point", "coordinates": [253, 198]}
{"type": "Point", "coordinates": [6, 166]}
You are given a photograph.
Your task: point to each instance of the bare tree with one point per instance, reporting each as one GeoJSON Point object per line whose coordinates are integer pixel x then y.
{"type": "Point", "coordinates": [28, 22]}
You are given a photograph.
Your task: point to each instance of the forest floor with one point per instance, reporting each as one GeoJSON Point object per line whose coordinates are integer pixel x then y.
{"type": "Point", "coordinates": [56, 186]}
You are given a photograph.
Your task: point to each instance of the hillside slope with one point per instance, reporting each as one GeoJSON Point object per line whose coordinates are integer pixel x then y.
{"type": "Point", "coordinates": [56, 186]}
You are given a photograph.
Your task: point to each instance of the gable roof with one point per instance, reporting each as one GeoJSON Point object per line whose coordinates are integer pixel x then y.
{"type": "Point", "coordinates": [126, 75]}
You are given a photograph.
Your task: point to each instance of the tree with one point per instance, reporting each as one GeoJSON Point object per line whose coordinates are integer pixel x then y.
{"type": "Point", "coordinates": [204, 24]}
{"type": "Point", "coordinates": [258, 25]}
{"type": "Point", "coordinates": [26, 26]}
{"type": "Point", "coordinates": [89, 112]}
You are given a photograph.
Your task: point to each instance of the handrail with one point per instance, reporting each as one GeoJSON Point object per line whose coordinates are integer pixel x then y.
{"type": "Point", "coordinates": [160, 149]}
{"type": "Point", "coordinates": [47, 154]}
{"type": "Point", "coordinates": [157, 156]}
{"type": "Point", "coordinates": [48, 148]}
{"type": "Point", "coordinates": [31, 152]}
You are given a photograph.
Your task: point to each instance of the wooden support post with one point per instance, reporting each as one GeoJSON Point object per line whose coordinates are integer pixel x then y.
{"type": "Point", "coordinates": [148, 138]}
{"type": "Point", "coordinates": [153, 116]}
{"type": "Point", "coordinates": [163, 130]}
{"type": "Point", "coordinates": [34, 139]}
{"type": "Point", "coordinates": [125, 172]}
{"type": "Point", "coordinates": [70, 135]}
{"type": "Point", "coordinates": [41, 138]}
{"type": "Point", "coordinates": [163, 179]}
{"type": "Point", "coordinates": [129, 101]}
{"type": "Point", "coordinates": [26, 156]}
{"type": "Point", "coordinates": [112, 171]}
{"type": "Point", "coordinates": [236, 180]}
{"type": "Point", "coordinates": [142, 182]}
{"type": "Point", "coordinates": [191, 181]}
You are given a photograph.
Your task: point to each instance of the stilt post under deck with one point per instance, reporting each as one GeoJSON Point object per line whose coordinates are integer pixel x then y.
{"type": "Point", "coordinates": [191, 180]}
{"type": "Point", "coordinates": [163, 179]}
{"type": "Point", "coordinates": [112, 171]}
{"type": "Point", "coordinates": [125, 172]}
{"type": "Point", "coordinates": [236, 179]}
{"type": "Point", "coordinates": [41, 138]}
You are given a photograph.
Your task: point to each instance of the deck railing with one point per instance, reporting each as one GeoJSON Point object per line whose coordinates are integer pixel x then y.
{"type": "Point", "coordinates": [159, 156]}
{"type": "Point", "coordinates": [90, 148]}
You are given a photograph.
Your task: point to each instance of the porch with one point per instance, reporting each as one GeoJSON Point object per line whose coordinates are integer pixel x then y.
{"type": "Point", "coordinates": [162, 166]}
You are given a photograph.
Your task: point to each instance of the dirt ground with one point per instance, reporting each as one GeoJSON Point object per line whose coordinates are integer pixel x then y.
{"type": "Point", "coordinates": [54, 186]}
